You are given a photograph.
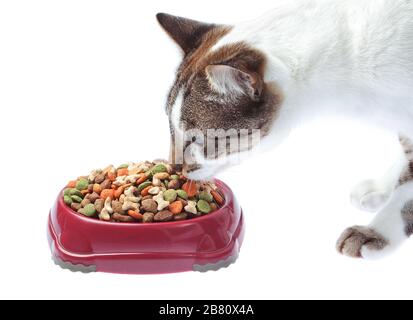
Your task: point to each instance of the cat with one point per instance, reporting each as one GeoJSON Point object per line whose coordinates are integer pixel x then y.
{"type": "Point", "coordinates": [304, 59]}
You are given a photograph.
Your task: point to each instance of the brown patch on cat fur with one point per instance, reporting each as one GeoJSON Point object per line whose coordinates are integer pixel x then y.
{"type": "Point", "coordinates": [407, 215]}
{"type": "Point", "coordinates": [407, 174]}
{"type": "Point", "coordinates": [353, 239]}
{"type": "Point", "coordinates": [204, 105]}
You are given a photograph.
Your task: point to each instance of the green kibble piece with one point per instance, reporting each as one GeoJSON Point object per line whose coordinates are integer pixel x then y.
{"type": "Point", "coordinates": [89, 210]}
{"type": "Point", "coordinates": [76, 199]}
{"type": "Point", "coordinates": [159, 168]}
{"type": "Point", "coordinates": [82, 184]}
{"type": "Point", "coordinates": [144, 185]}
{"type": "Point", "coordinates": [174, 177]}
{"type": "Point", "coordinates": [203, 206]}
{"type": "Point", "coordinates": [75, 192]}
{"type": "Point", "coordinates": [170, 195]}
{"type": "Point", "coordinates": [67, 192]}
{"type": "Point", "coordinates": [123, 166]}
{"type": "Point", "coordinates": [68, 200]}
{"type": "Point", "coordinates": [182, 194]}
{"type": "Point", "coordinates": [205, 195]}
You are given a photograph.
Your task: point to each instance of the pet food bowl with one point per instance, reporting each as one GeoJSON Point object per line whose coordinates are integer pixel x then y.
{"type": "Point", "coordinates": [206, 243]}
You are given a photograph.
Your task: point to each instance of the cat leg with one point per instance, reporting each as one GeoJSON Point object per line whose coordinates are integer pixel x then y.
{"type": "Point", "coordinates": [372, 195]}
{"type": "Point", "coordinates": [394, 221]}
{"type": "Point", "coordinates": [392, 225]}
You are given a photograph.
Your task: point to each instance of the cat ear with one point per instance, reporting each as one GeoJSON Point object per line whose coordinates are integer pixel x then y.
{"type": "Point", "coordinates": [227, 80]}
{"type": "Point", "coordinates": [185, 32]}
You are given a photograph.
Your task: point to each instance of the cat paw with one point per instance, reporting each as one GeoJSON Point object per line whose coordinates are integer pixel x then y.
{"type": "Point", "coordinates": [369, 196]}
{"type": "Point", "coordinates": [361, 242]}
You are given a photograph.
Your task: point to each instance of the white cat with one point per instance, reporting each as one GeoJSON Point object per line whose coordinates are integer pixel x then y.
{"type": "Point", "coordinates": [304, 59]}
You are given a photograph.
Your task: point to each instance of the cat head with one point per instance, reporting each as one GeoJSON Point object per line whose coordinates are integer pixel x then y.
{"type": "Point", "coordinates": [219, 95]}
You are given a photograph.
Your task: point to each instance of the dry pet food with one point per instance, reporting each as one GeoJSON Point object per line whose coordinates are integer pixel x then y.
{"type": "Point", "coordinates": [146, 192]}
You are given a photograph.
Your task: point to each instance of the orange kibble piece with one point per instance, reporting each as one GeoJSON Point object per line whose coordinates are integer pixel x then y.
{"type": "Point", "coordinates": [118, 192]}
{"type": "Point", "coordinates": [72, 184]}
{"type": "Point", "coordinates": [190, 188]}
{"type": "Point", "coordinates": [97, 188]}
{"type": "Point", "coordinates": [142, 179]}
{"type": "Point", "coordinates": [176, 207]}
{"type": "Point", "coordinates": [107, 193]}
{"type": "Point", "coordinates": [135, 215]}
{"type": "Point", "coordinates": [123, 172]}
{"type": "Point", "coordinates": [145, 191]}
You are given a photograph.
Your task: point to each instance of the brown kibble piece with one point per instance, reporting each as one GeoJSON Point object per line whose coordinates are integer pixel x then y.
{"type": "Point", "coordinates": [149, 205]}
{"type": "Point", "coordinates": [148, 217]}
{"type": "Point", "coordinates": [76, 206]}
{"type": "Point", "coordinates": [180, 217]}
{"type": "Point", "coordinates": [100, 178]}
{"type": "Point", "coordinates": [93, 197]}
{"type": "Point", "coordinates": [107, 184]}
{"type": "Point", "coordinates": [174, 184]}
{"type": "Point", "coordinates": [122, 218]}
{"type": "Point", "coordinates": [147, 197]}
{"type": "Point", "coordinates": [85, 202]}
{"type": "Point", "coordinates": [117, 207]}
{"type": "Point", "coordinates": [164, 216]}
{"type": "Point", "coordinates": [99, 204]}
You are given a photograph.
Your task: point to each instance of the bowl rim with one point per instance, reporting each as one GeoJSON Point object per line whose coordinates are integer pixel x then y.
{"type": "Point", "coordinates": [222, 185]}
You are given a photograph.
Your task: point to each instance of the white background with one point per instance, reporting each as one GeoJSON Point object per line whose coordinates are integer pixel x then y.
{"type": "Point", "coordinates": [83, 85]}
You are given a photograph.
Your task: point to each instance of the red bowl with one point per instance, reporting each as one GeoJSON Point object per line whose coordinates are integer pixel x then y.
{"type": "Point", "coordinates": [207, 243]}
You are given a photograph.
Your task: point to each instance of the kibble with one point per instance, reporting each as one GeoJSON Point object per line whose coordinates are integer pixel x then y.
{"type": "Point", "coordinates": [203, 206]}
{"type": "Point", "coordinates": [164, 216]}
{"type": "Point", "coordinates": [149, 205]}
{"type": "Point", "coordinates": [170, 195]}
{"type": "Point", "coordinates": [82, 184]}
{"type": "Point", "coordinates": [89, 210]}
{"type": "Point", "coordinates": [145, 192]}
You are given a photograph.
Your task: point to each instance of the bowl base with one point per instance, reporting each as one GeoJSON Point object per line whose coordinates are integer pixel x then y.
{"type": "Point", "coordinates": [197, 268]}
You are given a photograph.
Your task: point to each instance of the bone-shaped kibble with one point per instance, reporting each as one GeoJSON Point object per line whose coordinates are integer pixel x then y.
{"type": "Point", "coordinates": [129, 205]}
{"type": "Point", "coordinates": [120, 181]}
{"type": "Point", "coordinates": [130, 192]}
{"type": "Point", "coordinates": [108, 205]}
{"type": "Point", "coordinates": [156, 182]}
{"type": "Point", "coordinates": [132, 199]}
{"type": "Point", "coordinates": [104, 215]}
{"type": "Point", "coordinates": [191, 207]}
{"type": "Point", "coordinates": [162, 204]}
{"type": "Point", "coordinates": [154, 190]}
{"type": "Point", "coordinates": [132, 178]}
